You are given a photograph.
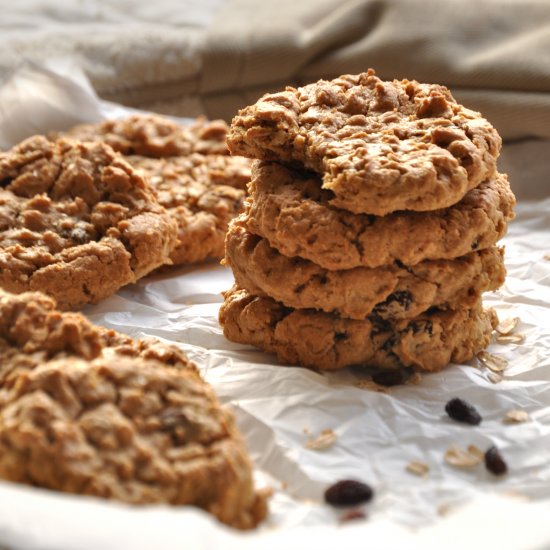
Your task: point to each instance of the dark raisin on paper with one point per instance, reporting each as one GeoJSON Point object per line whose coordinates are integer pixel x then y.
{"type": "Point", "coordinates": [348, 492]}
{"type": "Point", "coordinates": [462, 411]}
{"type": "Point", "coordinates": [494, 462]}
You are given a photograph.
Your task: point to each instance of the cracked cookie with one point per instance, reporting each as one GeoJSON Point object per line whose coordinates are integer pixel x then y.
{"type": "Point", "coordinates": [192, 191]}
{"type": "Point", "coordinates": [89, 411]}
{"type": "Point", "coordinates": [294, 214]}
{"type": "Point", "coordinates": [329, 342]}
{"type": "Point", "coordinates": [77, 221]}
{"type": "Point", "coordinates": [196, 180]}
{"type": "Point", "coordinates": [378, 146]}
{"type": "Point", "coordinates": [389, 292]}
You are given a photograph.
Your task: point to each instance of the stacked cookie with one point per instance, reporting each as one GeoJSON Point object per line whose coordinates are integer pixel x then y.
{"type": "Point", "coordinates": [370, 231]}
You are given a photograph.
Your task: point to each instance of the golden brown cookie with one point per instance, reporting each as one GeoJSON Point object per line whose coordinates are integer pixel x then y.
{"type": "Point", "coordinates": [89, 411]}
{"type": "Point", "coordinates": [192, 191]}
{"type": "Point", "coordinates": [294, 214]}
{"type": "Point", "coordinates": [152, 135]}
{"type": "Point", "coordinates": [390, 292]}
{"type": "Point", "coordinates": [77, 221]}
{"type": "Point", "coordinates": [329, 342]}
{"type": "Point", "coordinates": [379, 146]}
{"type": "Point", "coordinates": [191, 170]}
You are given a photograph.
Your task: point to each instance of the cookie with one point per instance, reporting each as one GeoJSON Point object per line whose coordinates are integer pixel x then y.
{"type": "Point", "coordinates": [192, 191]}
{"type": "Point", "coordinates": [294, 214]}
{"type": "Point", "coordinates": [389, 292]}
{"type": "Point", "coordinates": [379, 146]}
{"type": "Point", "coordinates": [77, 221]}
{"type": "Point", "coordinates": [155, 136]}
{"type": "Point", "coordinates": [328, 342]}
{"type": "Point", "coordinates": [89, 411]}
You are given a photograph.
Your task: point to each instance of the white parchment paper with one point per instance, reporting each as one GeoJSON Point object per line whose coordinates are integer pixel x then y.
{"type": "Point", "coordinates": [278, 408]}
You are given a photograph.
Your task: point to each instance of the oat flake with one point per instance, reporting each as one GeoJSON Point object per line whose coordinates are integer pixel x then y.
{"type": "Point", "coordinates": [493, 362]}
{"type": "Point", "coordinates": [516, 416]}
{"type": "Point", "coordinates": [326, 439]}
{"type": "Point", "coordinates": [460, 458]}
{"type": "Point", "coordinates": [418, 468]}
{"type": "Point", "coordinates": [510, 338]}
{"type": "Point", "coordinates": [507, 325]}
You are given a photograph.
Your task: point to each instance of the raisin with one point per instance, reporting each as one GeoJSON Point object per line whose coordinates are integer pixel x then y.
{"type": "Point", "coordinates": [462, 411]}
{"type": "Point", "coordinates": [391, 377]}
{"type": "Point", "coordinates": [494, 462]}
{"type": "Point", "coordinates": [348, 492]}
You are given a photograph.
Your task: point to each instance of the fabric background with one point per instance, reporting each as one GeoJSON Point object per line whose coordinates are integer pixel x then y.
{"type": "Point", "coordinates": [216, 56]}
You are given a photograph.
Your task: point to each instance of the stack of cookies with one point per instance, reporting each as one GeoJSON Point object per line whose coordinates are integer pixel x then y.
{"type": "Point", "coordinates": [371, 228]}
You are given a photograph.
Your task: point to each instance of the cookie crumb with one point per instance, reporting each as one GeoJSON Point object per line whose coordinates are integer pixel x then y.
{"type": "Point", "coordinates": [326, 439]}
{"type": "Point", "coordinates": [516, 416]}
{"type": "Point", "coordinates": [417, 468]}
{"type": "Point", "coordinates": [414, 379]}
{"type": "Point", "coordinates": [369, 384]}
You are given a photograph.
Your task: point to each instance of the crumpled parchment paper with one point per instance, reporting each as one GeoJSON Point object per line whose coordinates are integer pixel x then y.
{"type": "Point", "coordinates": [280, 408]}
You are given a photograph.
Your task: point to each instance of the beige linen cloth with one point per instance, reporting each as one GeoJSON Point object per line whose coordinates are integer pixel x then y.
{"type": "Point", "coordinates": [215, 56]}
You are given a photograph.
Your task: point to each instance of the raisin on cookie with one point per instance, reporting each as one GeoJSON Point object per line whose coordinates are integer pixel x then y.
{"type": "Point", "coordinates": [329, 342]}
{"type": "Point", "coordinates": [390, 292]}
{"type": "Point", "coordinates": [295, 215]}
{"type": "Point", "coordinates": [89, 411]}
{"type": "Point", "coordinates": [378, 146]}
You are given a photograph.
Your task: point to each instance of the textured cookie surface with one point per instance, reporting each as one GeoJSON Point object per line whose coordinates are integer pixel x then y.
{"type": "Point", "coordinates": [156, 136]}
{"type": "Point", "coordinates": [379, 146]}
{"type": "Point", "coordinates": [329, 342]}
{"type": "Point", "coordinates": [389, 292]}
{"type": "Point", "coordinates": [202, 193]}
{"type": "Point", "coordinates": [294, 214]}
{"type": "Point", "coordinates": [77, 221]}
{"type": "Point", "coordinates": [89, 411]}
{"type": "Point", "coordinates": [197, 181]}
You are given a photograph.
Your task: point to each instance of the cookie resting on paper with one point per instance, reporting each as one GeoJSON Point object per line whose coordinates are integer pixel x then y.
{"type": "Point", "coordinates": [378, 146]}
{"type": "Point", "coordinates": [328, 342]}
{"type": "Point", "coordinates": [390, 292]}
{"type": "Point", "coordinates": [77, 221]}
{"type": "Point", "coordinates": [86, 410]}
{"type": "Point", "coordinates": [294, 214]}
